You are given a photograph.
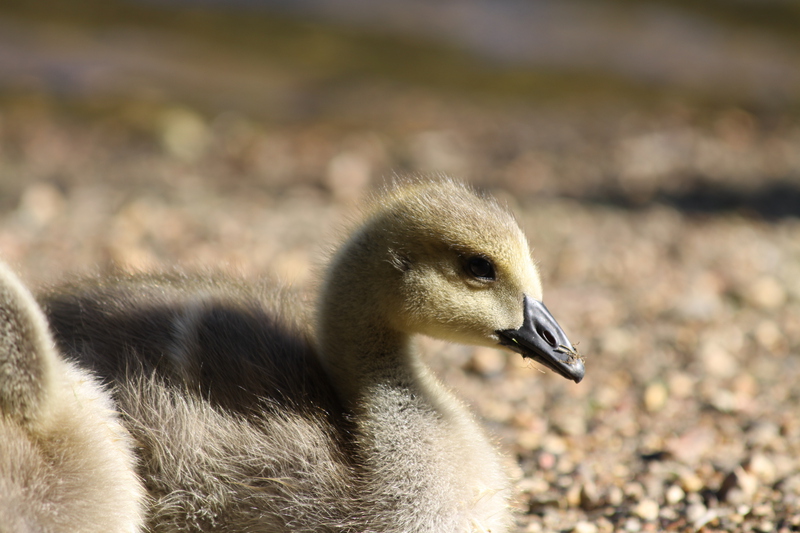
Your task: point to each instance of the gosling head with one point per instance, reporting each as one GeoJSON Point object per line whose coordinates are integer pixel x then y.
{"type": "Point", "coordinates": [456, 266]}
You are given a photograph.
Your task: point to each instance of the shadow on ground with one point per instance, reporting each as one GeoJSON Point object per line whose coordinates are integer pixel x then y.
{"type": "Point", "coordinates": [771, 201]}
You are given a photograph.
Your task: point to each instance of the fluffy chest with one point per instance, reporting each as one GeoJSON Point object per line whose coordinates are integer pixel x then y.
{"type": "Point", "coordinates": [430, 463]}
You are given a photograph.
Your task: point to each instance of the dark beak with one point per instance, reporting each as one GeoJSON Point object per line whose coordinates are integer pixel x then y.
{"type": "Point", "coordinates": [543, 340]}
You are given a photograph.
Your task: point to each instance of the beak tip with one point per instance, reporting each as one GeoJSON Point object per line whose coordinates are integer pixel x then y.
{"type": "Point", "coordinates": [578, 371]}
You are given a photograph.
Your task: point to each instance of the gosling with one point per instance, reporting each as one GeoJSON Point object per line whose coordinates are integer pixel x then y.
{"type": "Point", "coordinates": [66, 461]}
{"type": "Point", "coordinates": [249, 420]}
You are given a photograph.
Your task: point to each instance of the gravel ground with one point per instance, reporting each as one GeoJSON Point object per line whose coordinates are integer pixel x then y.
{"type": "Point", "coordinates": [669, 243]}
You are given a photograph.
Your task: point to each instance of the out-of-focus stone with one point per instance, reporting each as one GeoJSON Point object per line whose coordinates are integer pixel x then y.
{"type": "Point", "coordinates": [738, 487]}
{"type": "Point", "coordinates": [643, 158]}
{"type": "Point", "coordinates": [763, 509]}
{"type": "Point", "coordinates": [691, 482]}
{"type": "Point", "coordinates": [690, 447]}
{"type": "Point", "coordinates": [497, 411]}
{"type": "Point", "coordinates": [439, 151]}
{"type": "Point", "coordinates": [634, 489]}
{"type": "Point", "coordinates": [607, 395]}
{"type": "Point", "coordinates": [701, 520]}
{"type": "Point", "coordinates": [674, 495]}
{"type": "Point", "coordinates": [616, 341]}
{"type": "Point", "coordinates": [542, 500]}
{"type": "Point", "coordinates": [528, 439]}
{"type": "Point", "coordinates": [745, 387]}
{"type": "Point", "coordinates": [724, 400]}
{"type": "Point", "coordinates": [681, 385]}
{"type": "Point", "coordinates": [533, 485]}
{"type": "Point", "coordinates": [765, 293]}
{"type": "Point", "coordinates": [566, 466]}
{"type": "Point", "coordinates": [573, 495]}
{"type": "Point", "coordinates": [738, 516]}
{"type": "Point", "coordinates": [547, 461]}
{"type": "Point", "coordinates": [604, 525]}
{"type": "Point", "coordinates": [655, 397]}
{"type": "Point", "coordinates": [668, 513]}
{"type": "Point", "coordinates": [584, 527]}
{"type": "Point", "coordinates": [348, 174]}
{"type": "Point", "coordinates": [703, 299]}
{"type": "Point", "coordinates": [768, 335]}
{"type": "Point", "coordinates": [647, 509]}
{"type": "Point", "coordinates": [589, 496]}
{"type": "Point", "coordinates": [487, 361]}
{"type": "Point", "coordinates": [570, 421]}
{"type": "Point", "coordinates": [717, 361]}
{"type": "Point", "coordinates": [184, 133]}
{"type": "Point", "coordinates": [695, 512]}
{"type": "Point", "coordinates": [615, 496]}
{"type": "Point", "coordinates": [760, 466]}
{"type": "Point", "coordinates": [40, 203]}
{"type": "Point", "coordinates": [763, 433]}
{"type": "Point", "coordinates": [791, 485]}
{"type": "Point", "coordinates": [534, 527]}
{"type": "Point", "coordinates": [620, 470]}
{"type": "Point", "coordinates": [633, 525]}
{"type": "Point", "coordinates": [554, 444]}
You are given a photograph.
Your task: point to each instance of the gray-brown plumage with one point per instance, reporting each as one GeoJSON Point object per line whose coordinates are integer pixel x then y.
{"type": "Point", "coordinates": [250, 420]}
{"type": "Point", "coordinates": [66, 461]}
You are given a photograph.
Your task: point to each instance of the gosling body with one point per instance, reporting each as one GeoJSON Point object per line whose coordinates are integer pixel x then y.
{"type": "Point", "coordinates": [249, 420]}
{"type": "Point", "coordinates": [66, 461]}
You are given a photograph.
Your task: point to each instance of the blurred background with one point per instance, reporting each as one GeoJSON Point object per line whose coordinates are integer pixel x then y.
{"type": "Point", "coordinates": [651, 150]}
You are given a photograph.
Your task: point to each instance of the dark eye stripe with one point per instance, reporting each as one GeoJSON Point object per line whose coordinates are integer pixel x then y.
{"type": "Point", "coordinates": [481, 268]}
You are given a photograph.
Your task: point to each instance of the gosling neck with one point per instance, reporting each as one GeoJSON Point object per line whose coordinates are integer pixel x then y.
{"type": "Point", "coordinates": [359, 348]}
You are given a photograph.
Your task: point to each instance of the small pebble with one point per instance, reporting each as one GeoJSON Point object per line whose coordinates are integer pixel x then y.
{"type": "Point", "coordinates": [766, 526]}
{"type": "Point", "coordinates": [674, 494]}
{"type": "Point", "coordinates": [763, 433]}
{"type": "Point", "coordinates": [768, 334]}
{"type": "Point", "coordinates": [655, 397]}
{"type": "Point", "coordinates": [681, 385]}
{"type": "Point", "coordinates": [765, 293]}
{"type": "Point", "coordinates": [668, 513]}
{"type": "Point", "coordinates": [647, 509]}
{"type": "Point", "coordinates": [40, 203]}
{"type": "Point", "coordinates": [534, 527]}
{"type": "Point", "coordinates": [554, 444]}
{"type": "Point", "coordinates": [763, 509]}
{"type": "Point", "coordinates": [691, 482]}
{"type": "Point", "coordinates": [634, 490]}
{"type": "Point", "coordinates": [348, 174]}
{"type": "Point", "coordinates": [615, 496]}
{"type": "Point", "coordinates": [761, 467]}
{"type": "Point", "coordinates": [633, 525]}
{"type": "Point", "coordinates": [589, 497]}
{"type": "Point", "coordinates": [738, 487]}
{"type": "Point", "coordinates": [584, 527]}
{"type": "Point", "coordinates": [695, 512]}
{"type": "Point", "coordinates": [574, 495]}
{"type": "Point", "coordinates": [604, 525]}
{"type": "Point", "coordinates": [743, 509]}
{"type": "Point", "coordinates": [184, 133]}
{"type": "Point", "coordinates": [705, 518]}
{"type": "Point", "coordinates": [718, 361]}
{"type": "Point", "coordinates": [487, 362]}
{"type": "Point", "coordinates": [547, 461]}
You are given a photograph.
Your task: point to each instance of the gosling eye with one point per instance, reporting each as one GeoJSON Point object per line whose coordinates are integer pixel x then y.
{"type": "Point", "coordinates": [481, 268]}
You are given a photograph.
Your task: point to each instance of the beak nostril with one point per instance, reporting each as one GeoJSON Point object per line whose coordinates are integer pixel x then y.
{"type": "Point", "coordinates": [547, 336]}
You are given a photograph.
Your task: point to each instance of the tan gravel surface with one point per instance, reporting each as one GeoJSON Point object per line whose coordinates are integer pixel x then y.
{"type": "Point", "coordinates": [669, 244]}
